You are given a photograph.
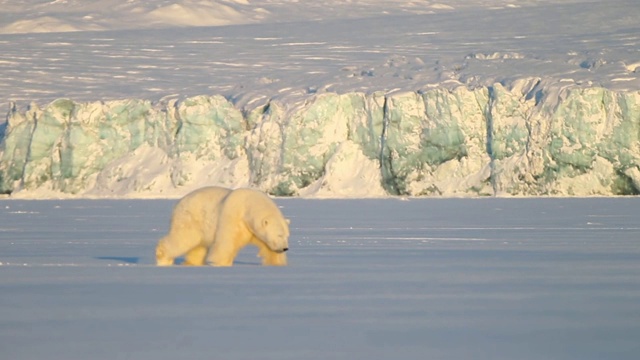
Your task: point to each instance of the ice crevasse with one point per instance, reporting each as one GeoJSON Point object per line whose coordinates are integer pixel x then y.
{"type": "Point", "coordinates": [518, 141]}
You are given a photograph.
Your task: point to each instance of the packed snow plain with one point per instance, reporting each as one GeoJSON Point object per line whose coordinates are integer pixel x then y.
{"type": "Point", "coordinates": [368, 279]}
{"type": "Point", "coordinates": [386, 278]}
{"type": "Point", "coordinates": [484, 93]}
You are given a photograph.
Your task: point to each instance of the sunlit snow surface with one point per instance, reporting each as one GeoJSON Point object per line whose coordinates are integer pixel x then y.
{"type": "Point", "coordinates": [500, 97]}
{"type": "Point", "coordinates": [368, 279]}
{"type": "Point", "coordinates": [291, 49]}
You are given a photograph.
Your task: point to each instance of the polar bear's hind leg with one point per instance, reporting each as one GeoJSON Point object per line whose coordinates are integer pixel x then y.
{"type": "Point", "coordinates": [162, 256]}
{"type": "Point", "coordinates": [168, 248]}
{"type": "Point", "coordinates": [195, 256]}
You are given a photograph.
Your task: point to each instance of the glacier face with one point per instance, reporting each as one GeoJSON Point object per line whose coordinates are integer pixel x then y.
{"type": "Point", "coordinates": [525, 140]}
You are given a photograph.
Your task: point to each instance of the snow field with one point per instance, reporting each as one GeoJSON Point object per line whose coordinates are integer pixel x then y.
{"type": "Point", "coordinates": [522, 98]}
{"type": "Point", "coordinates": [369, 279]}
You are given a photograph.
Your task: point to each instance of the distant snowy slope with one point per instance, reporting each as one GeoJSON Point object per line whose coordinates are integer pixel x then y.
{"type": "Point", "coordinates": [359, 98]}
{"type": "Point", "coordinates": [94, 15]}
{"type": "Point", "coordinates": [586, 44]}
{"type": "Point", "coordinates": [83, 15]}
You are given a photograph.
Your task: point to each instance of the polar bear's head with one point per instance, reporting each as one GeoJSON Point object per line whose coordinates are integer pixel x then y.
{"type": "Point", "coordinates": [274, 232]}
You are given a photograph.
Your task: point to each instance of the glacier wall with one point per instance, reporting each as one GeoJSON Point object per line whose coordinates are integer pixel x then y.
{"type": "Point", "coordinates": [521, 141]}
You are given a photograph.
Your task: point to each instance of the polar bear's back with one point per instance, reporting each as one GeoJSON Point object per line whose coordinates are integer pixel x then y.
{"type": "Point", "coordinates": [251, 200]}
{"type": "Point", "coordinates": [199, 209]}
{"type": "Point", "coordinates": [251, 207]}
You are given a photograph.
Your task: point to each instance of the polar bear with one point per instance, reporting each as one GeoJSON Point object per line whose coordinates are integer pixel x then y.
{"type": "Point", "coordinates": [215, 223]}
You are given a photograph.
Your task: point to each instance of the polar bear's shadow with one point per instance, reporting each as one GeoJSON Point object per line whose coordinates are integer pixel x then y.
{"type": "Point", "coordinates": [130, 260]}
{"type": "Point", "coordinates": [244, 259]}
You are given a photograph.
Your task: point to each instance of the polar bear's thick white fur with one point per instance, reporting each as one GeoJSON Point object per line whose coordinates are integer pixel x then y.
{"type": "Point", "coordinates": [214, 223]}
{"type": "Point", "coordinates": [193, 227]}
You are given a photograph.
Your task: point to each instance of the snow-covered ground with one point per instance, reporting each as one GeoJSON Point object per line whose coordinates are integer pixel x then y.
{"type": "Point", "coordinates": [499, 97]}
{"type": "Point", "coordinates": [153, 49]}
{"type": "Point", "coordinates": [486, 97]}
{"type": "Point", "coordinates": [369, 279]}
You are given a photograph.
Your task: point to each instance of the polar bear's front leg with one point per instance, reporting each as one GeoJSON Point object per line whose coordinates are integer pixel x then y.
{"type": "Point", "coordinates": [223, 252]}
{"type": "Point", "coordinates": [274, 259]}
{"type": "Point", "coordinates": [269, 257]}
{"type": "Point", "coordinates": [230, 238]}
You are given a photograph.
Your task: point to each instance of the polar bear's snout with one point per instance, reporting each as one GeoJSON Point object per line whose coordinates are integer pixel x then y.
{"type": "Point", "coordinates": [280, 251]}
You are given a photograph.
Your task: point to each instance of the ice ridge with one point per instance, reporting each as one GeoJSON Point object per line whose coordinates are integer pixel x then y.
{"type": "Point", "coordinates": [488, 141]}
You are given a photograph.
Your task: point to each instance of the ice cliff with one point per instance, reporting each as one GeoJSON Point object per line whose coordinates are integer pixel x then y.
{"type": "Point", "coordinates": [523, 140]}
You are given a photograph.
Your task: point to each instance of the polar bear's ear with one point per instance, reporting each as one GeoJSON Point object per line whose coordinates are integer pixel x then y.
{"type": "Point", "coordinates": [288, 221]}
